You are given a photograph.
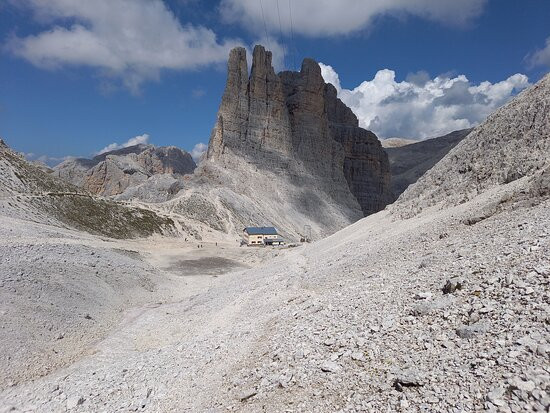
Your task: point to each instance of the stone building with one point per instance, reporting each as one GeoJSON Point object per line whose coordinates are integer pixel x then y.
{"type": "Point", "coordinates": [262, 236]}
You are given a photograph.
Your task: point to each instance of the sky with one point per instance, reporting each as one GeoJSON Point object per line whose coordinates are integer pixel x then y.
{"type": "Point", "coordinates": [78, 77]}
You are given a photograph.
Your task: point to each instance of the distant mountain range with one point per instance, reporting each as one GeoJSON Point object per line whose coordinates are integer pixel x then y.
{"type": "Point", "coordinates": [130, 172]}
{"type": "Point", "coordinates": [28, 192]}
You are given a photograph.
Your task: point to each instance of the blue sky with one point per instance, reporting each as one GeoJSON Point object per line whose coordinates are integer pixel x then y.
{"type": "Point", "coordinates": [76, 76]}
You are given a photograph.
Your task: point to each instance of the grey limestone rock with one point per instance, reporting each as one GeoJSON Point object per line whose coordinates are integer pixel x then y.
{"type": "Point", "coordinates": [157, 188]}
{"type": "Point", "coordinates": [428, 306]}
{"type": "Point", "coordinates": [453, 285]}
{"type": "Point", "coordinates": [472, 330]}
{"type": "Point", "coordinates": [330, 367]}
{"type": "Point", "coordinates": [294, 123]}
{"type": "Point", "coordinates": [408, 377]}
{"type": "Point", "coordinates": [114, 172]}
{"type": "Point", "coordinates": [498, 152]}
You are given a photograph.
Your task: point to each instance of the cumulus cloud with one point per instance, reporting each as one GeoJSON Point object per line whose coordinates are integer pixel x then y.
{"type": "Point", "coordinates": [540, 57]}
{"type": "Point", "coordinates": [136, 140]}
{"type": "Point", "coordinates": [198, 151]}
{"type": "Point", "coordinates": [422, 107]}
{"type": "Point", "coordinates": [129, 40]}
{"type": "Point", "coordinates": [328, 17]}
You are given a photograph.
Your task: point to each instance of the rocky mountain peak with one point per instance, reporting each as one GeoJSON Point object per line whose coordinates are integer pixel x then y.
{"type": "Point", "coordinates": [112, 173]}
{"type": "Point", "coordinates": [294, 122]}
{"type": "Point", "coordinates": [261, 64]}
{"type": "Point", "coordinates": [136, 149]}
{"type": "Point", "coordinates": [310, 72]}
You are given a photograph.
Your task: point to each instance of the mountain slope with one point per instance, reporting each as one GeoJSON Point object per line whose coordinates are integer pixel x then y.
{"type": "Point", "coordinates": [396, 142]}
{"type": "Point", "coordinates": [29, 193]}
{"type": "Point", "coordinates": [512, 144]}
{"type": "Point", "coordinates": [409, 162]}
{"type": "Point", "coordinates": [114, 172]}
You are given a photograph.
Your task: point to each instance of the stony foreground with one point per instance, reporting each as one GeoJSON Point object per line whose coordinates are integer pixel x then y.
{"type": "Point", "coordinates": [356, 322]}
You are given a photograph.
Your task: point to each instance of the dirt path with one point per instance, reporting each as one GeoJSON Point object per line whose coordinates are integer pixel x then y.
{"type": "Point", "coordinates": [156, 355]}
{"type": "Point", "coordinates": [67, 296]}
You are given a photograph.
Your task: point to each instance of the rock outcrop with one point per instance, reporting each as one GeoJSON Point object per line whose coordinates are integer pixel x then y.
{"type": "Point", "coordinates": [410, 161]}
{"type": "Point", "coordinates": [293, 123]}
{"type": "Point", "coordinates": [113, 173]}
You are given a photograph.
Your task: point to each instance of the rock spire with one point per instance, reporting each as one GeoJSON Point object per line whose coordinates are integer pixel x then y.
{"type": "Point", "coordinates": [294, 122]}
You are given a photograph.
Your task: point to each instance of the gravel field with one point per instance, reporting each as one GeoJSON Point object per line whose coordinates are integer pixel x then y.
{"type": "Point", "coordinates": [64, 290]}
{"type": "Point", "coordinates": [356, 322]}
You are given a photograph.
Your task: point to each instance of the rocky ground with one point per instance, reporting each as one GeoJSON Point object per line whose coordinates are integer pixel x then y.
{"type": "Point", "coordinates": [62, 291]}
{"type": "Point", "coordinates": [456, 320]}
{"type": "Point", "coordinates": [425, 314]}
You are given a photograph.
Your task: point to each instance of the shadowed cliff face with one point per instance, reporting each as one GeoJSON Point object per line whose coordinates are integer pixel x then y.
{"type": "Point", "coordinates": [409, 162]}
{"type": "Point", "coordinates": [366, 165]}
{"type": "Point", "coordinates": [293, 122]}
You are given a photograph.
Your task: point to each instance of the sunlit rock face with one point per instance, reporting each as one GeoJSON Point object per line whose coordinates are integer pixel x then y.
{"type": "Point", "coordinates": [294, 124]}
{"type": "Point", "coordinates": [112, 173]}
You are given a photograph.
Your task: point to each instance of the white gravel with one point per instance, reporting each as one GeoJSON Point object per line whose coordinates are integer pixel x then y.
{"type": "Point", "coordinates": [336, 326]}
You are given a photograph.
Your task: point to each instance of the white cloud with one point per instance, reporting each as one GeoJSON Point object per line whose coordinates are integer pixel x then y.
{"type": "Point", "coordinates": [422, 107]}
{"type": "Point", "coordinates": [541, 57]}
{"type": "Point", "coordinates": [329, 17]}
{"type": "Point", "coordinates": [136, 140]}
{"type": "Point", "coordinates": [129, 40]}
{"type": "Point", "coordinates": [50, 161]}
{"type": "Point", "coordinates": [198, 92]}
{"type": "Point", "coordinates": [198, 151]}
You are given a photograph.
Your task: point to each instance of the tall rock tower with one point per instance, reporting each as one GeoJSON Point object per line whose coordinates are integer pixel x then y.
{"type": "Point", "coordinates": [293, 122]}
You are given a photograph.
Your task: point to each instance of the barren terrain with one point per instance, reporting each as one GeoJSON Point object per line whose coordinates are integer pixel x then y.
{"type": "Point", "coordinates": [355, 322]}
{"type": "Point", "coordinates": [63, 290]}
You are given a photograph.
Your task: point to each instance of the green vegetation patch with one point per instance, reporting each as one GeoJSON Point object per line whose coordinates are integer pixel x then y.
{"type": "Point", "coordinates": [104, 217]}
